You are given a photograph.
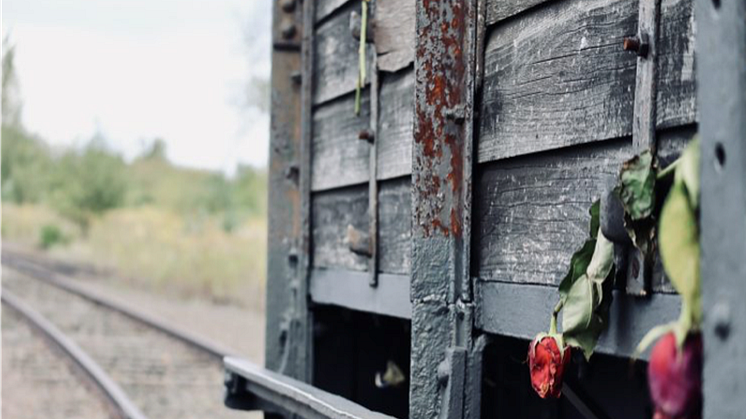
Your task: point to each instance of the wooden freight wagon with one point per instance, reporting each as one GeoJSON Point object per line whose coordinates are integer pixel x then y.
{"type": "Point", "coordinates": [416, 246]}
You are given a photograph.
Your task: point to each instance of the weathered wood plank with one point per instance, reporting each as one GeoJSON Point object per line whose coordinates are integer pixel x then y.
{"type": "Point", "coordinates": [521, 310]}
{"type": "Point", "coordinates": [351, 289]}
{"type": "Point", "coordinates": [333, 211]}
{"type": "Point", "coordinates": [336, 63]}
{"type": "Point", "coordinates": [341, 159]}
{"type": "Point", "coordinates": [531, 212]}
{"type": "Point", "coordinates": [497, 10]}
{"type": "Point", "coordinates": [394, 33]}
{"type": "Point", "coordinates": [395, 225]}
{"type": "Point", "coordinates": [396, 124]}
{"type": "Point", "coordinates": [558, 77]}
{"type": "Point", "coordinates": [677, 98]}
{"type": "Point", "coordinates": [326, 7]}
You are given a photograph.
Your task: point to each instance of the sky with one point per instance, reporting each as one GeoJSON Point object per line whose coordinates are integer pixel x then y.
{"type": "Point", "coordinates": [135, 70]}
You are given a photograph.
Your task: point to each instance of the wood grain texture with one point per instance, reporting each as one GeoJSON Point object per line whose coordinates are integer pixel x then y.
{"type": "Point", "coordinates": [394, 34]}
{"type": "Point", "coordinates": [558, 77]}
{"type": "Point", "coordinates": [336, 63]}
{"type": "Point", "coordinates": [395, 225]}
{"type": "Point", "coordinates": [497, 10]}
{"type": "Point", "coordinates": [531, 213]}
{"type": "Point", "coordinates": [334, 210]}
{"type": "Point", "coordinates": [677, 96]}
{"type": "Point", "coordinates": [341, 159]}
{"type": "Point", "coordinates": [326, 7]}
{"type": "Point", "coordinates": [396, 124]}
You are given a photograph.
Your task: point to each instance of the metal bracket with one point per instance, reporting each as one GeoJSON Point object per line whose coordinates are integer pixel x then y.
{"type": "Point", "coordinates": [639, 271]}
{"type": "Point", "coordinates": [373, 176]}
{"type": "Point", "coordinates": [250, 387]}
{"type": "Point", "coordinates": [451, 376]}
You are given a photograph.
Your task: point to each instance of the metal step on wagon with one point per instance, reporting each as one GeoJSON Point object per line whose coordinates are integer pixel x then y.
{"type": "Point", "coordinates": [430, 183]}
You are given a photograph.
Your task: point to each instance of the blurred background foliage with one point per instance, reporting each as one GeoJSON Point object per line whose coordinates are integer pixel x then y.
{"type": "Point", "coordinates": [183, 231]}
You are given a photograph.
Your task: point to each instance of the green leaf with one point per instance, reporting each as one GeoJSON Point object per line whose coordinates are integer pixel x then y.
{"type": "Point", "coordinates": [688, 172]}
{"type": "Point", "coordinates": [602, 261]}
{"type": "Point", "coordinates": [595, 212]}
{"type": "Point", "coordinates": [582, 257]}
{"type": "Point", "coordinates": [578, 265]}
{"type": "Point", "coordinates": [679, 242]}
{"type": "Point", "coordinates": [579, 305]}
{"type": "Point", "coordinates": [586, 306]}
{"type": "Point", "coordinates": [587, 337]}
{"type": "Point", "coordinates": [637, 185]}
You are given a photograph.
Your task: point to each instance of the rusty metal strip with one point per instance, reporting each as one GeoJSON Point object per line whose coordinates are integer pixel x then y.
{"type": "Point", "coordinates": [639, 271]}
{"type": "Point", "coordinates": [445, 66]}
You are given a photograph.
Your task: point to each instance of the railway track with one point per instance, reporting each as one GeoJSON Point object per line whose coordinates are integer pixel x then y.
{"type": "Point", "coordinates": [145, 366]}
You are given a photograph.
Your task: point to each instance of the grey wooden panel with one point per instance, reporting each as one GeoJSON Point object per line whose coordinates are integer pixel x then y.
{"type": "Point", "coordinates": [334, 210]}
{"type": "Point", "coordinates": [523, 310]}
{"type": "Point", "coordinates": [394, 34]}
{"type": "Point", "coordinates": [531, 212]}
{"type": "Point", "coordinates": [395, 226]}
{"type": "Point", "coordinates": [558, 77]}
{"type": "Point", "coordinates": [326, 7]}
{"type": "Point", "coordinates": [352, 289]}
{"type": "Point", "coordinates": [676, 99]}
{"type": "Point", "coordinates": [340, 158]}
{"type": "Point", "coordinates": [396, 124]}
{"type": "Point", "coordinates": [336, 63]}
{"type": "Point", "coordinates": [497, 10]}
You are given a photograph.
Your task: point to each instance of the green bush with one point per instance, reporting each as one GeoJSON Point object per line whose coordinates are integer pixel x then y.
{"type": "Point", "coordinates": [88, 183]}
{"type": "Point", "coordinates": [51, 235]}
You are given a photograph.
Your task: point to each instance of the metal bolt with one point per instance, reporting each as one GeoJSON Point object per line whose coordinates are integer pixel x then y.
{"type": "Point", "coordinates": [457, 114]}
{"type": "Point", "coordinates": [287, 5]}
{"type": "Point", "coordinates": [288, 30]}
{"type": "Point", "coordinates": [366, 135]}
{"type": "Point", "coordinates": [721, 320]}
{"type": "Point", "coordinates": [291, 172]}
{"type": "Point", "coordinates": [636, 44]}
{"type": "Point", "coordinates": [296, 77]}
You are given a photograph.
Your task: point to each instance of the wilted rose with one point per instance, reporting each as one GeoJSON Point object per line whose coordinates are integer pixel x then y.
{"type": "Point", "coordinates": [675, 377]}
{"type": "Point", "coordinates": [547, 364]}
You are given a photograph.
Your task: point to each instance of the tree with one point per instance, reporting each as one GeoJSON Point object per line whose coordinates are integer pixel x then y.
{"type": "Point", "coordinates": [89, 183]}
{"type": "Point", "coordinates": [11, 98]}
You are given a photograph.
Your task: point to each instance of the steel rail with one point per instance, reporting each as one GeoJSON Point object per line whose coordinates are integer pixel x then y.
{"type": "Point", "coordinates": [42, 273]}
{"type": "Point", "coordinates": [248, 386]}
{"type": "Point", "coordinates": [110, 388]}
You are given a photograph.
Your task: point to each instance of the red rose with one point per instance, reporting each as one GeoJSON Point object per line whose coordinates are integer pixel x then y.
{"type": "Point", "coordinates": [675, 377]}
{"type": "Point", "coordinates": [547, 364]}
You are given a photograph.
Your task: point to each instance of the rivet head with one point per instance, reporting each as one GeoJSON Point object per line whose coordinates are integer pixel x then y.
{"type": "Point", "coordinates": [366, 135]}
{"type": "Point", "coordinates": [721, 320]}
{"type": "Point", "coordinates": [287, 5]}
{"type": "Point", "coordinates": [287, 30]}
{"type": "Point", "coordinates": [636, 44]}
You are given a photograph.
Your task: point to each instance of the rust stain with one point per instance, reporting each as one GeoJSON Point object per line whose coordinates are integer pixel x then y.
{"type": "Point", "coordinates": [441, 79]}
